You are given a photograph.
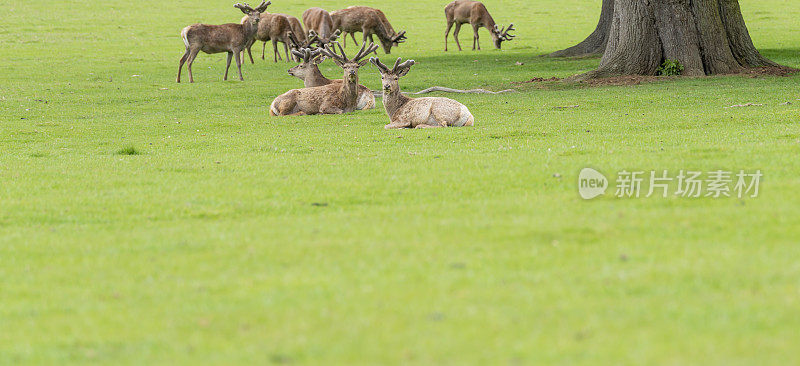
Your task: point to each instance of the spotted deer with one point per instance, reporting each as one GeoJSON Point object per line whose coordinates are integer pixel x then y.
{"type": "Point", "coordinates": [231, 38]}
{"type": "Point", "coordinates": [369, 21]}
{"type": "Point", "coordinates": [473, 12]}
{"type": "Point", "coordinates": [319, 20]}
{"type": "Point", "coordinates": [334, 98]}
{"type": "Point", "coordinates": [405, 112]}
{"type": "Point", "coordinates": [308, 71]}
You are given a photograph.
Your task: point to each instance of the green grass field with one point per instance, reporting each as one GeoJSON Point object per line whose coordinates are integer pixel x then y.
{"type": "Point", "coordinates": [147, 222]}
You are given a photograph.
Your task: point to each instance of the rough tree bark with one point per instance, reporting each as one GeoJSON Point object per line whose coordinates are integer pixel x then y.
{"type": "Point", "coordinates": [706, 36]}
{"type": "Point", "coordinates": [595, 43]}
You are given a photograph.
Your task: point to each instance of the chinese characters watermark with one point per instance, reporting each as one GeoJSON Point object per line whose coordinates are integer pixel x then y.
{"type": "Point", "coordinates": [663, 183]}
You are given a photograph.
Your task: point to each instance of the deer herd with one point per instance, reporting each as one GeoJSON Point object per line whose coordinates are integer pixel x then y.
{"type": "Point", "coordinates": [319, 41]}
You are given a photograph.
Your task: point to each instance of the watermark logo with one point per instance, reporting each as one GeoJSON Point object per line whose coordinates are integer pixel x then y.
{"type": "Point", "coordinates": [684, 184]}
{"type": "Point", "coordinates": [591, 183]}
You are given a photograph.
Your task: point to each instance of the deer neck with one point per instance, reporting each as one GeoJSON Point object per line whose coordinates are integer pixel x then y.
{"type": "Point", "coordinates": [316, 78]}
{"type": "Point", "coordinates": [249, 31]}
{"type": "Point", "coordinates": [393, 101]}
{"type": "Point", "coordinates": [349, 91]}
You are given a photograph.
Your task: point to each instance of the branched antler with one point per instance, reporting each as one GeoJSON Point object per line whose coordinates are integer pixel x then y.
{"type": "Point", "coordinates": [400, 37]}
{"type": "Point", "coordinates": [503, 33]}
{"type": "Point", "coordinates": [363, 52]}
{"type": "Point", "coordinates": [243, 7]}
{"type": "Point", "coordinates": [397, 69]}
{"type": "Point", "coordinates": [264, 4]}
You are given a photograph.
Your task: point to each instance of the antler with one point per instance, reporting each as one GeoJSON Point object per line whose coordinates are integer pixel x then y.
{"type": "Point", "coordinates": [504, 32]}
{"type": "Point", "coordinates": [400, 37]}
{"type": "Point", "coordinates": [335, 35]}
{"type": "Point", "coordinates": [263, 6]}
{"type": "Point", "coordinates": [377, 62]}
{"type": "Point", "coordinates": [398, 67]}
{"type": "Point", "coordinates": [312, 37]}
{"type": "Point", "coordinates": [365, 50]}
{"type": "Point", "coordinates": [327, 51]}
{"type": "Point", "coordinates": [244, 8]}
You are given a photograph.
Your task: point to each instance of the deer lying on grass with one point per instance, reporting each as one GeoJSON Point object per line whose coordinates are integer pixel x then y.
{"type": "Point", "coordinates": [473, 12]}
{"type": "Point", "coordinates": [371, 22]}
{"type": "Point", "coordinates": [334, 98]}
{"type": "Point", "coordinates": [230, 38]}
{"type": "Point", "coordinates": [308, 71]}
{"type": "Point", "coordinates": [319, 20]}
{"type": "Point", "coordinates": [272, 27]}
{"type": "Point", "coordinates": [405, 112]}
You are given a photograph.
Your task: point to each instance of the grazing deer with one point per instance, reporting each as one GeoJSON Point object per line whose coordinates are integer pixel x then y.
{"type": "Point", "coordinates": [230, 38]}
{"type": "Point", "coordinates": [405, 112]}
{"type": "Point", "coordinates": [369, 21]}
{"type": "Point", "coordinates": [308, 71]}
{"type": "Point", "coordinates": [334, 98]}
{"type": "Point", "coordinates": [473, 12]}
{"type": "Point", "coordinates": [319, 20]}
{"type": "Point", "coordinates": [273, 27]}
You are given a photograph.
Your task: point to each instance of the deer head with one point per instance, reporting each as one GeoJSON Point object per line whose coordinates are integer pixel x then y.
{"type": "Point", "coordinates": [253, 15]}
{"type": "Point", "coordinates": [390, 77]}
{"type": "Point", "coordinates": [500, 35]}
{"type": "Point", "coordinates": [309, 59]}
{"type": "Point", "coordinates": [350, 66]}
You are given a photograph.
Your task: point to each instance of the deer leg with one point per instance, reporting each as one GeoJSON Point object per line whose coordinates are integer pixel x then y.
{"type": "Point", "coordinates": [275, 50]}
{"type": "Point", "coordinates": [447, 34]}
{"type": "Point", "coordinates": [396, 125]}
{"type": "Point", "coordinates": [183, 60]}
{"type": "Point", "coordinates": [239, 65]}
{"type": "Point", "coordinates": [228, 66]}
{"type": "Point", "coordinates": [455, 35]}
{"type": "Point", "coordinates": [249, 53]}
{"type": "Point", "coordinates": [353, 36]}
{"type": "Point", "coordinates": [189, 63]}
{"type": "Point", "coordinates": [477, 39]}
{"type": "Point", "coordinates": [263, 50]}
{"type": "Point", "coordinates": [426, 126]}
{"type": "Point", "coordinates": [286, 49]}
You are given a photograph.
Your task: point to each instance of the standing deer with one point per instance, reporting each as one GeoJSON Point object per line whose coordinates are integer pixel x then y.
{"type": "Point", "coordinates": [473, 12]}
{"type": "Point", "coordinates": [334, 98]}
{"type": "Point", "coordinates": [230, 38]}
{"type": "Point", "coordinates": [405, 112]}
{"type": "Point", "coordinates": [371, 22]}
{"type": "Point", "coordinates": [308, 71]}
{"type": "Point", "coordinates": [273, 27]}
{"type": "Point", "coordinates": [319, 20]}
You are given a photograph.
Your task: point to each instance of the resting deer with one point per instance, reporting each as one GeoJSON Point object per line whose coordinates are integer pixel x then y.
{"type": "Point", "coordinates": [272, 27]}
{"type": "Point", "coordinates": [308, 71]}
{"type": "Point", "coordinates": [371, 22]}
{"type": "Point", "coordinates": [473, 12]}
{"type": "Point", "coordinates": [334, 98]}
{"type": "Point", "coordinates": [405, 112]}
{"type": "Point", "coordinates": [319, 20]}
{"type": "Point", "coordinates": [230, 38]}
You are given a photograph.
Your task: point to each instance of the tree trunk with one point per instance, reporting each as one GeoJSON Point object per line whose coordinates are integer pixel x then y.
{"type": "Point", "coordinates": [706, 36]}
{"type": "Point", "coordinates": [595, 43]}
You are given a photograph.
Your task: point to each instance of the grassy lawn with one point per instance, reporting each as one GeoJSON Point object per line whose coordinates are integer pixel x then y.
{"type": "Point", "coordinates": [147, 222]}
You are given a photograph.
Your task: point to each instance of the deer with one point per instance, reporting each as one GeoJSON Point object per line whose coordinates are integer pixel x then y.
{"type": "Point", "coordinates": [334, 98]}
{"type": "Point", "coordinates": [231, 38]}
{"type": "Point", "coordinates": [319, 20]}
{"type": "Point", "coordinates": [428, 112]}
{"type": "Point", "coordinates": [308, 71]}
{"type": "Point", "coordinates": [273, 27]}
{"type": "Point", "coordinates": [369, 21]}
{"type": "Point", "coordinates": [473, 12]}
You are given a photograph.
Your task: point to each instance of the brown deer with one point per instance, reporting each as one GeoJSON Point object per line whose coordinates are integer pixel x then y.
{"type": "Point", "coordinates": [273, 27]}
{"type": "Point", "coordinates": [405, 112]}
{"type": "Point", "coordinates": [473, 12]}
{"type": "Point", "coordinates": [334, 98]}
{"type": "Point", "coordinates": [369, 21]}
{"type": "Point", "coordinates": [319, 20]}
{"type": "Point", "coordinates": [308, 71]}
{"type": "Point", "coordinates": [231, 38]}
